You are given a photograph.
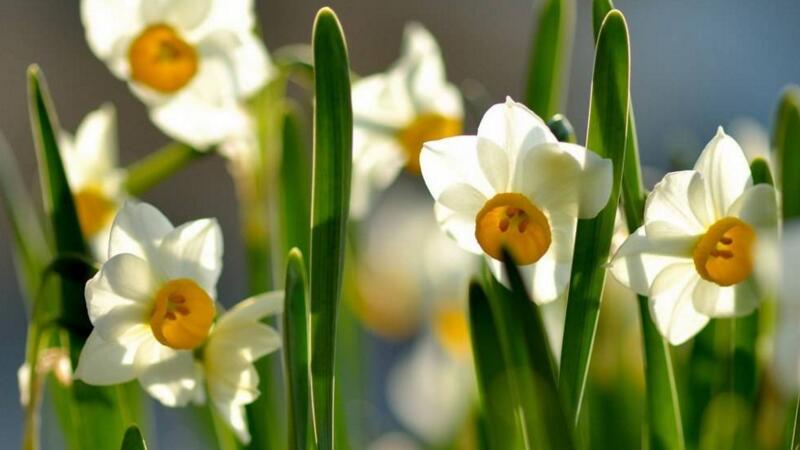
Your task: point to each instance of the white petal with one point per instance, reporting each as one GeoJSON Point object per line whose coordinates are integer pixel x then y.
{"type": "Point", "coordinates": [460, 227]}
{"type": "Point", "coordinates": [233, 415]}
{"type": "Point", "coordinates": [229, 15]}
{"type": "Point", "coordinates": [206, 111]}
{"type": "Point", "coordinates": [92, 156]}
{"type": "Point", "coordinates": [757, 207]}
{"type": "Point", "coordinates": [245, 55]}
{"type": "Point", "coordinates": [104, 363]}
{"type": "Point", "coordinates": [679, 200]}
{"type": "Point", "coordinates": [183, 14]}
{"type": "Point", "coordinates": [193, 250]}
{"type": "Point", "coordinates": [462, 199]}
{"type": "Point", "coordinates": [726, 301]}
{"type": "Point", "coordinates": [644, 255]}
{"type": "Point", "coordinates": [513, 127]}
{"type": "Point", "coordinates": [381, 104]}
{"type": "Point", "coordinates": [725, 170]}
{"type": "Point", "coordinates": [671, 303]}
{"type": "Point", "coordinates": [138, 230]}
{"type": "Point", "coordinates": [564, 177]}
{"type": "Point", "coordinates": [124, 281]}
{"type": "Point", "coordinates": [253, 309]}
{"type": "Point", "coordinates": [453, 161]}
{"type": "Point", "coordinates": [168, 375]}
{"type": "Point", "coordinates": [106, 22]}
{"type": "Point", "coordinates": [494, 164]}
{"type": "Point", "coordinates": [377, 160]}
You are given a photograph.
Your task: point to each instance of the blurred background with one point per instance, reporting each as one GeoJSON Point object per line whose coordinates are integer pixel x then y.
{"type": "Point", "coordinates": [695, 65]}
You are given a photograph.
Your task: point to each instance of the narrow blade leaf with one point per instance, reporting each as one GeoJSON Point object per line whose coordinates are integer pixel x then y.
{"type": "Point", "coordinates": [786, 141]}
{"type": "Point", "coordinates": [607, 134]}
{"type": "Point", "coordinates": [332, 159]}
{"type": "Point", "coordinates": [133, 439]}
{"type": "Point", "coordinates": [549, 58]}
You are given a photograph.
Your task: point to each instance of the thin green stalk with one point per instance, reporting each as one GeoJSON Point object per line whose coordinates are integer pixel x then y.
{"type": "Point", "coordinates": [159, 166]}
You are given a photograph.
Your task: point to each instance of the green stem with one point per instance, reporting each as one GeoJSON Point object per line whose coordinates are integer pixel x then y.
{"type": "Point", "coordinates": [159, 166]}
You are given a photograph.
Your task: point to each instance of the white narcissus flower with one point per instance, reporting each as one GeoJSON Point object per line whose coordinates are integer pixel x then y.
{"type": "Point", "coordinates": [395, 112]}
{"type": "Point", "coordinates": [192, 62]}
{"type": "Point", "coordinates": [695, 253]}
{"type": "Point", "coordinates": [90, 161]}
{"type": "Point", "coordinates": [237, 340]}
{"type": "Point", "coordinates": [151, 304]}
{"type": "Point", "coordinates": [515, 185]}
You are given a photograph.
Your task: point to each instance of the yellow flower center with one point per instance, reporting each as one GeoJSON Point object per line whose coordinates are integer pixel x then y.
{"type": "Point", "coordinates": [426, 127]}
{"type": "Point", "coordinates": [183, 314]}
{"type": "Point", "coordinates": [724, 255]}
{"type": "Point", "coordinates": [450, 325]}
{"type": "Point", "coordinates": [95, 210]}
{"type": "Point", "coordinates": [161, 59]}
{"type": "Point", "coordinates": [511, 220]}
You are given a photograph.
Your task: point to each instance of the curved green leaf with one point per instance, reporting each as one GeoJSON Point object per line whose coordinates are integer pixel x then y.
{"type": "Point", "coordinates": [786, 141]}
{"type": "Point", "coordinates": [607, 134]}
{"type": "Point", "coordinates": [333, 127]}
{"type": "Point", "coordinates": [549, 58]}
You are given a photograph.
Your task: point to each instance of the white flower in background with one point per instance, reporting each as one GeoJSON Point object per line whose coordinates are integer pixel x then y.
{"type": "Point", "coordinates": [236, 341]}
{"type": "Point", "coordinates": [515, 185]}
{"type": "Point", "coordinates": [90, 161]}
{"type": "Point", "coordinates": [151, 304]}
{"type": "Point", "coordinates": [191, 61]}
{"type": "Point", "coordinates": [783, 270]}
{"type": "Point", "coordinates": [395, 112]}
{"type": "Point", "coordinates": [407, 266]}
{"type": "Point", "coordinates": [695, 254]}
{"type": "Point", "coordinates": [752, 137]}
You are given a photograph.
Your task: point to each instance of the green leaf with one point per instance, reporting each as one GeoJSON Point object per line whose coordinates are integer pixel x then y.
{"type": "Point", "coordinates": [663, 410]}
{"type": "Point", "coordinates": [159, 166]}
{"type": "Point", "coordinates": [562, 128]}
{"type": "Point", "coordinates": [493, 375]}
{"type": "Point", "coordinates": [91, 416]}
{"type": "Point", "coordinates": [786, 141]}
{"type": "Point", "coordinates": [759, 170]}
{"type": "Point", "coordinates": [295, 184]}
{"type": "Point", "coordinates": [133, 439]}
{"type": "Point", "coordinates": [333, 125]}
{"type": "Point", "coordinates": [31, 253]}
{"type": "Point", "coordinates": [549, 58]}
{"type": "Point", "coordinates": [295, 352]}
{"type": "Point", "coordinates": [607, 134]}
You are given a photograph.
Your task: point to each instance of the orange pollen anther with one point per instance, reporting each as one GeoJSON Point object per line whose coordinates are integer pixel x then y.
{"type": "Point", "coordinates": [424, 128]}
{"type": "Point", "coordinates": [161, 59]}
{"type": "Point", "coordinates": [95, 211]}
{"type": "Point", "coordinates": [513, 221]}
{"type": "Point", "coordinates": [183, 314]}
{"type": "Point", "coordinates": [724, 254]}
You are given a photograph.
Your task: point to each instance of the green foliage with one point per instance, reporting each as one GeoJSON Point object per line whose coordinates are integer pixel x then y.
{"type": "Point", "coordinates": [133, 439]}
{"type": "Point", "coordinates": [332, 156]}
{"type": "Point", "coordinates": [608, 122]}
{"type": "Point", "coordinates": [549, 58]}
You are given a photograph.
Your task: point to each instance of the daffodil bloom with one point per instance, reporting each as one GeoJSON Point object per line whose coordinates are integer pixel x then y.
{"type": "Point", "coordinates": [514, 185]}
{"type": "Point", "coordinates": [152, 304]}
{"type": "Point", "coordinates": [90, 161]}
{"type": "Point", "coordinates": [191, 61]}
{"type": "Point", "coordinates": [395, 112]}
{"type": "Point", "coordinates": [694, 256]}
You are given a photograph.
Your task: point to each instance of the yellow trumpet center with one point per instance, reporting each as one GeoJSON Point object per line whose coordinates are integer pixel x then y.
{"type": "Point", "coordinates": [426, 127]}
{"type": "Point", "coordinates": [95, 210]}
{"type": "Point", "coordinates": [724, 255]}
{"type": "Point", "coordinates": [183, 314]}
{"type": "Point", "coordinates": [161, 59]}
{"type": "Point", "coordinates": [450, 325]}
{"type": "Point", "coordinates": [511, 220]}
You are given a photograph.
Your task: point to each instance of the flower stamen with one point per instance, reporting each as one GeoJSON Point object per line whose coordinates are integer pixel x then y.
{"type": "Point", "coordinates": [511, 220]}
{"type": "Point", "coordinates": [724, 254]}
{"type": "Point", "coordinates": [424, 128]}
{"type": "Point", "coordinates": [183, 314]}
{"type": "Point", "coordinates": [161, 59]}
{"type": "Point", "coordinates": [95, 210]}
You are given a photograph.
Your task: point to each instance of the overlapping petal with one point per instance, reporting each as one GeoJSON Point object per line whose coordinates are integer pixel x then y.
{"type": "Point", "coordinates": [725, 171]}
{"type": "Point", "coordinates": [672, 303]}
